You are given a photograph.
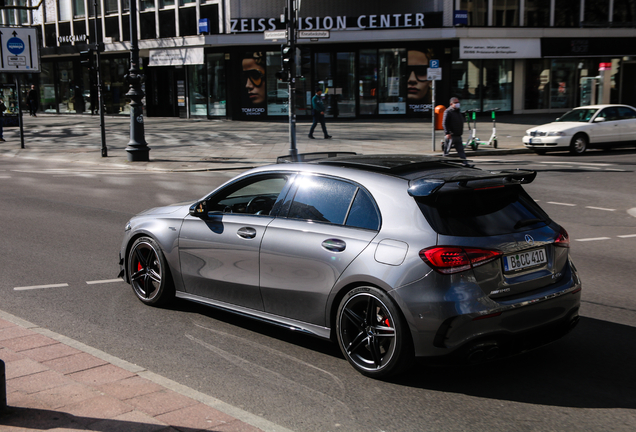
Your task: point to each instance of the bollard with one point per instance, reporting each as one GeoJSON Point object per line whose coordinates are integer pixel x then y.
{"type": "Point", "coordinates": [3, 387]}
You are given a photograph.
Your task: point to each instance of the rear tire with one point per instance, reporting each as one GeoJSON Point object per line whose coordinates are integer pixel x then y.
{"type": "Point", "coordinates": [150, 276]}
{"type": "Point", "coordinates": [579, 144]}
{"type": "Point", "coordinates": [494, 144]}
{"type": "Point", "coordinates": [372, 333]}
{"type": "Point", "coordinates": [473, 145]}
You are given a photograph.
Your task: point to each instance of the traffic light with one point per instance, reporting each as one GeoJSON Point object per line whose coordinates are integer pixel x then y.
{"type": "Point", "coordinates": [86, 58]}
{"type": "Point", "coordinates": [287, 59]}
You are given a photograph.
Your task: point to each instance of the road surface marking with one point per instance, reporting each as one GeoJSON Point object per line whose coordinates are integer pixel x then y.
{"type": "Point", "coordinates": [627, 236]}
{"type": "Point", "coordinates": [104, 281]}
{"type": "Point", "coordinates": [599, 208]}
{"type": "Point", "coordinates": [578, 163]}
{"type": "Point", "coordinates": [563, 204]}
{"type": "Point", "coordinates": [593, 239]}
{"type": "Point", "coordinates": [40, 287]}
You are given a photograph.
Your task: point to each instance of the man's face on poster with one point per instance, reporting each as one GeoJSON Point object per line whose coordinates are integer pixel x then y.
{"type": "Point", "coordinates": [418, 85]}
{"type": "Point", "coordinates": [254, 79]}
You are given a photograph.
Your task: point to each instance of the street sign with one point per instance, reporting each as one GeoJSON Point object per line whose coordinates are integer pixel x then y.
{"type": "Point", "coordinates": [434, 74]}
{"type": "Point", "coordinates": [19, 50]}
{"type": "Point", "coordinates": [434, 64]}
{"type": "Point", "coordinates": [275, 34]}
{"type": "Point", "coordinates": [313, 34]}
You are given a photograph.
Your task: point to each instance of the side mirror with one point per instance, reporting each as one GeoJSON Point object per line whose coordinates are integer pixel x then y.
{"type": "Point", "coordinates": [199, 209]}
{"type": "Point", "coordinates": [599, 119]}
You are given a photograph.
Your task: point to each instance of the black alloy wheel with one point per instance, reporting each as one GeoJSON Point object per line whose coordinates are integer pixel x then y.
{"type": "Point", "coordinates": [372, 334]}
{"type": "Point", "coordinates": [149, 274]}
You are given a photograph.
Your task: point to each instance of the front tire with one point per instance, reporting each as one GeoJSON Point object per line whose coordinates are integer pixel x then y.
{"type": "Point", "coordinates": [372, 333]}
{"type": "Point", "coordinates": [579, 144]}
{"type": "Point", "coordinates": [149, 274]}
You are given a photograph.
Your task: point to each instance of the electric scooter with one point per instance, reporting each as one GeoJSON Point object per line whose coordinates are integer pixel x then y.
{"type": "Point", "coordinates": [472, 141]}
{"type": "Point", "coordinates": [492, 141]}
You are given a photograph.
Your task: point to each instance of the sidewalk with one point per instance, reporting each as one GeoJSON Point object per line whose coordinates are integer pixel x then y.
{"type": "Point", "coordinates": [53, 382]}
{"type": "Point", "coordinates": [202, 145]}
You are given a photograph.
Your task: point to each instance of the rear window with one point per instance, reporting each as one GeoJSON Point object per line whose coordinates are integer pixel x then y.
{"type": "Point", "coordinates": [477, 213]}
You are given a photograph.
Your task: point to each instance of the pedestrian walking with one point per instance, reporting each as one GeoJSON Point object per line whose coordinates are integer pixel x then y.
{"type": "Point", "coordinates": [453, 124]}
{"type": "Point", "coordinates": [33, 101]}
{"type": "Point", "coordinates": [318, 111]}
{"type": "Point", "coordinates": [3, 108]}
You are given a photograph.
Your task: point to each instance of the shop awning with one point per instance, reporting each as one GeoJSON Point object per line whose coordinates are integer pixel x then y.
{"type": "Point", "coordinates": [176, 57]}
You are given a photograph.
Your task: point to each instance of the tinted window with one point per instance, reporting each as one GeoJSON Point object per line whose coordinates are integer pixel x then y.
{"type": "Point", "coordinates": [626, 113]}
{"type": "Point", "coordinates": [609, 114]}
{"type": "Point", "coordinates": [322, 199]}
{"type": "Point", "coordinates": [482, 213]}
{"type": "Point", "coordinates": [363, 213]}
{"type": "Point", "coordinates": [578, 115]}
{"type": "Point", "coordinates": [255, 195]}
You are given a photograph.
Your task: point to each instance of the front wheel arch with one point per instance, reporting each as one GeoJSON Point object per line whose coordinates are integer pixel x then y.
{"type": "Point", "coordinates": [580, 142]}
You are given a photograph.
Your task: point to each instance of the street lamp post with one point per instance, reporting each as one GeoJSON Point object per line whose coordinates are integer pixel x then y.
{"type": "Point", "coordinates": [138, 150]}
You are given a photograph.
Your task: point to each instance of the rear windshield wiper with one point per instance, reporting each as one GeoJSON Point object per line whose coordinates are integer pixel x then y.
{"type": "Point", "coordinates": [527, 222]}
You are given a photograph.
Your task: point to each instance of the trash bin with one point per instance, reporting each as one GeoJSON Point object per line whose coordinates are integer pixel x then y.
{"type": "Point", "coordinates": [439, 117]}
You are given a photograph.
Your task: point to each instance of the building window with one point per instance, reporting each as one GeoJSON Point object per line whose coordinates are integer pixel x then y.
{"type": "Point", "coordinates": [596, 13]}
{"type": "Point", "coordinates": [392, 78]}
{"type": "Point", "coordinates": [368, 81]}
{"type": "Point", "coordinates": [65, 10]}
{"type": "Point", "coordinates": [277, 94]}
{"type": "Point", "coordinates": [483, 84]}
{"type": "Point", "coordinates": [146, 5]}
{"type": "Point", "coordinates": [216, 84]}
{"type": "Point", "coordinates": [66, 87]}
{"type": "Point", "coordinates": [167, 26]}
{"type": "Point", "coordinates": [187, 22]}
{"type": "Point", "coordinates": [505, 13]}
{"type": "Point", "coordinates": [197, 88]}
{"type": "Point", "coordinates": [112, 6]}
{"type": "Point", "coordinates": [47, 88]}
{"type": "Point", "coordinates": [624, 12]}
{"type": "Point", "coordinates": [477, 12]}
{"type": "Point", "coordinates": [166, 3]}
{"type": "Point", "coordinates": [569, 13]}
{"type": "Point", "coordinates": [79, 9]}
{"type": "Point", "coordinates": [147, 25]}
{"type": "Point", "coordinates": [537, 13]}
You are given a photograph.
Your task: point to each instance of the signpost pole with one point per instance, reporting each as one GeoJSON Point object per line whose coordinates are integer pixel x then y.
{"type": "Point", "coordinates": [100, 97]}
{"type": "Point", "coordinates": [433, 113]}
{"type": "Point", "coordinates": [291, 39]}
{"type": "Point", "coordinates": [19, 100]}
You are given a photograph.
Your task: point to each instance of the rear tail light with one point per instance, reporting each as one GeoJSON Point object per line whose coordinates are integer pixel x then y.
{"type": "Point", "coordinates": [563, 239]}
{"type": "Point", "coordinates": [455, 259]}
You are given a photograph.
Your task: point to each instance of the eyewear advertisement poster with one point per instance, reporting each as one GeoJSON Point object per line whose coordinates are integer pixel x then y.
{"type": "Point", "coordinates": [254, 85]}
{"type": "Point", "coordinates": [419, 93]}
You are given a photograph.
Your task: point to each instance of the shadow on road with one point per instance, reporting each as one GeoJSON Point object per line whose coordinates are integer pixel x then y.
{"type": "Point", "coordinates": [592, 367]}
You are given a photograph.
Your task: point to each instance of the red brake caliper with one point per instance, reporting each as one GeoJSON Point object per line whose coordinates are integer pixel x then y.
{"type": "Point", "coordinates": [139, 267]}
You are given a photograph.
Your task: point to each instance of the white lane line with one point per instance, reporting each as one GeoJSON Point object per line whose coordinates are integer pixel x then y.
{"type": "Point", "coordinates": [577, 163]}
{"type": "Point", "coordinates": [563, 204]}
{"type": "Point", "coordinates": [599, 208]}
{"type": "Point", "coordinates": [627, 236]}
{"type": "Point", "coordinates": [104, 281]}
{"type": "Point", "coordinates": [593, 239]}
{"type": "Point", "coordinates": [40, 287]}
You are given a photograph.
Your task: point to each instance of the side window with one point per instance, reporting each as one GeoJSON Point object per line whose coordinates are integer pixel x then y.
{"type": "Point", "coordinates": [609, 114]}
{"type": "Point", "coordinates": [626, 113]}
{"type": "Point", "coordinates": [322, 199]}
{"type": "Point", "coordinates": [363, 213]}
{"type": "Point", "coordinates": [254, 195]}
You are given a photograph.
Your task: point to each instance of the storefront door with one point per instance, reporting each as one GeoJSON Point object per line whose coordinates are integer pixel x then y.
{"type": "Point", "coordinates": [335, 75]}
{"type": "Point", "coordinates": [162, 96]}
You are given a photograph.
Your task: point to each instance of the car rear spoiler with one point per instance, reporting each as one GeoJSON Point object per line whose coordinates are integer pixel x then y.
{"type": "Point", "coordinates": [308, 157]}
{"type": "Point", "coordinates": [426, 187]}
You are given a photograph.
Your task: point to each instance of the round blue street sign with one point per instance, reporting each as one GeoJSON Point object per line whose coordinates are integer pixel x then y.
{"type": "Point", "coordinates": [15, 46]}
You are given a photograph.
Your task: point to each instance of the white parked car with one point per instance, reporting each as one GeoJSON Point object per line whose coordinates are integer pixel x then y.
{"type": "Point", "coordinates": [593, 126]}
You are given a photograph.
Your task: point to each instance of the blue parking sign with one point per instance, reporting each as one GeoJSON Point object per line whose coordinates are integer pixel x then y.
{"type": "Point", "coordinates": [433, 64]}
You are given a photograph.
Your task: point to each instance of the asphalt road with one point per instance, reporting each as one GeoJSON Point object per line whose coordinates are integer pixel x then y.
{"type": "Point", "coordinates": [61, 227]}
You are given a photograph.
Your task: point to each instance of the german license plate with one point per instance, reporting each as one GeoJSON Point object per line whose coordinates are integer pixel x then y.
{"type": "Point", "coordinates": [522, 260]}
{"type": "Point", "coordinates": [535, 140]}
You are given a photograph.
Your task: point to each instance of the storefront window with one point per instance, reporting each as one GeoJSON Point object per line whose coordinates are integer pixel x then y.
{"type": "Point", "coordinates": [216, 85]}
{"type": "Point", "coordinates": [537, 13]}
{"type": "Point", "coordinates": [115, 87]}
{"type": "Point", "coordinates": [465, 83]}
{"type": "Point", "coordinates": [505, 13]}
{"type": "Point", "coordinates": [345, 92]}
{"type": "Point", "coordinates": [47, 88]}
{"type": "Point", "coordinates": [552, 84]}
{"type": "Point", "coordinates": [277, 93]}
{"type": "Point", "coordinates": [537, 80]}
{"type": "Point", "coordinates": [392, 98]}
{"type": "Point", "coordinates": [67, 87]}
{"type": "Point", "coordinates": [368, 82]}
{"type": "Point", "coordinates": [477, 11]}
{"type": "Point", "coordinates": [304, 87]}
{"type": "Point", "coordinates": [497, 85]}
{"type": "Point", "coordinates": [569, 13]}
{"type": "Point", "coordinates": [624, 12]}
{"type": "Point", "coordinates": [197, 90]}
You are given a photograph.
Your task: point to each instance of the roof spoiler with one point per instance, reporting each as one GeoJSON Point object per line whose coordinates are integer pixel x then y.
{"type": "Point", "coordinates": [308, 157]}
{"type": "Point", "coordinates": [425, 187]}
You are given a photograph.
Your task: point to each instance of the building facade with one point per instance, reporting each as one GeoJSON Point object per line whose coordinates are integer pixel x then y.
{"type": "Point", "coordinates": [211, 58]}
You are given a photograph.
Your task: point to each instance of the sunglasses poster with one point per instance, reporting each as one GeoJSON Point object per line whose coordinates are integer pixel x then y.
{"type": "Point", "coordinates": [419, 91]}
{"type": "Point", "coordinates": [254, 85]}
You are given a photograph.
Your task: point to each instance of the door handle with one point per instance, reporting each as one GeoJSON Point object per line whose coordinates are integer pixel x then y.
{"type": "Point", "coordinates": [246, 232]}
{"type": "Point", "coordinates": [334, 245]}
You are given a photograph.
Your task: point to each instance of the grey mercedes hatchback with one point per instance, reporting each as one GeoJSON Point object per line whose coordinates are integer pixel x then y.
{"type": "Point", "coordinates": [395, 257]}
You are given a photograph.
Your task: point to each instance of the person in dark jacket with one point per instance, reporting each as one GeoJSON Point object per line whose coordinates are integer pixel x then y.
{"type": "Point", "coordinates": [453, 124]}
{"type": "Point", "coordinates": [318, 111]}
{"type": "Point", "coordinates": [33, 100]}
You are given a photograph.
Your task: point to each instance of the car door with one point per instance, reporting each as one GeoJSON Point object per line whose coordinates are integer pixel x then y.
{"type": "Point", "coordinates": [322, 227]}
{"type": "Point", "coordinates": [627, 117]}
{"type": "Point", "coordinates": [220, 253]}
{"type": "Point", "coordinates": [607, 131]}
